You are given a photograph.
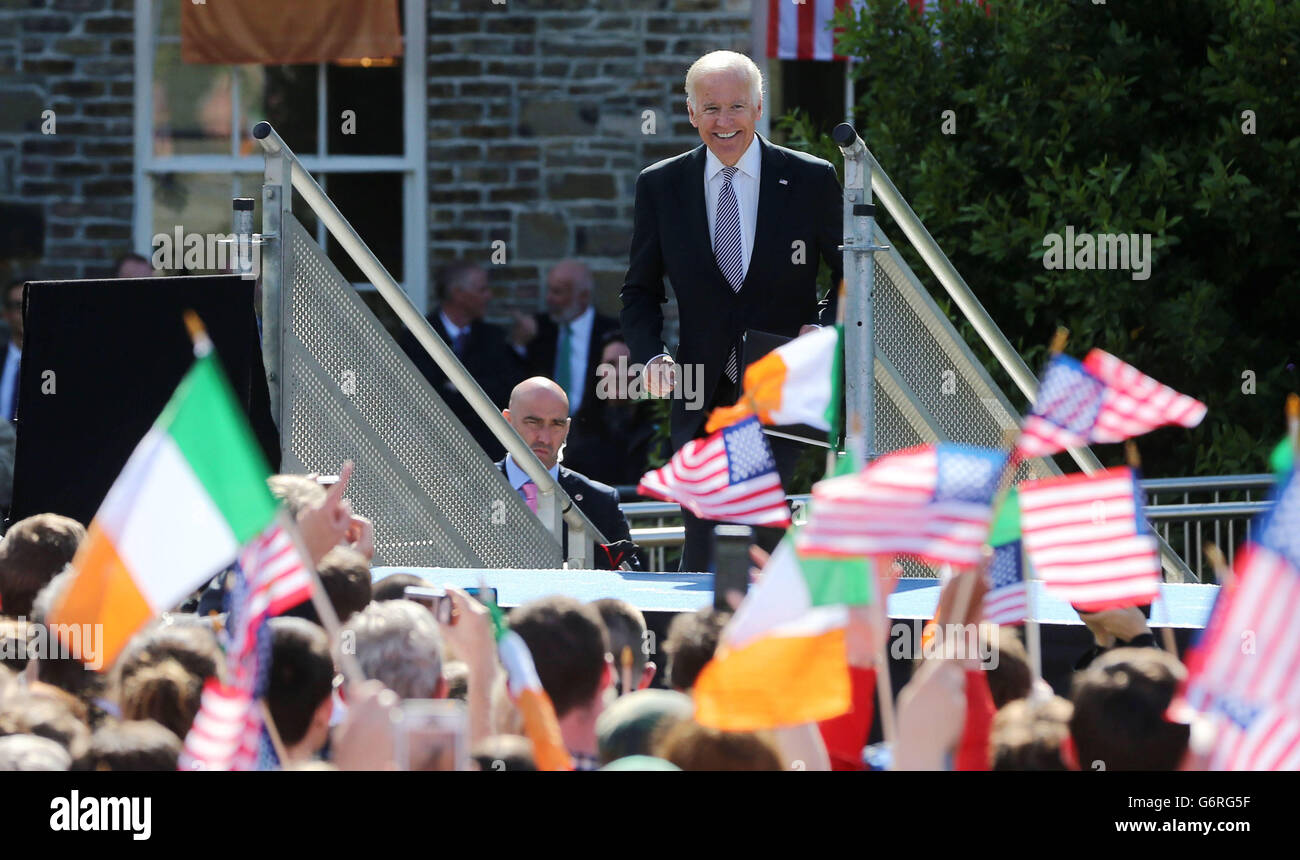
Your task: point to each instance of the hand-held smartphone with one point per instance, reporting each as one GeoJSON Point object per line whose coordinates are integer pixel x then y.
{"type": "Point", "coordinates": [435, 599]}
{"type": "Point", "coordinates": [430, 734]}
{"type": "Point", "coordinates": [731, 563]}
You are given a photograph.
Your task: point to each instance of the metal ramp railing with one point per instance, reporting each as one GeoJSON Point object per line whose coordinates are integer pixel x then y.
{"type": "Point", "coordinates": [341, 388]}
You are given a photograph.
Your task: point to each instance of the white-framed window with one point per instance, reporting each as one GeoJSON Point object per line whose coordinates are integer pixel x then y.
{"type": "Point", "coordinates": [194, 149]}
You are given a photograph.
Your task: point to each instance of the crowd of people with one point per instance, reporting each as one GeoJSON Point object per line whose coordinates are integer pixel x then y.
{"type": "Point", "coordinates": [620, 705]}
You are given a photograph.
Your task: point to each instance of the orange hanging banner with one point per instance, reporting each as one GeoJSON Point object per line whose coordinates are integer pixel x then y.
{"type": "Point", "coordinates": [288, 31]}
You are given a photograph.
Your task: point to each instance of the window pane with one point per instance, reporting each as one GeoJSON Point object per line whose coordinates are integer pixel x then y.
{"type": "Point", "coordinates": [375, 96]}
{"type": "Point", "coordinates": [191, 105]}
{"type": "Point", "coordinates": [200, 203]}
{"type": "Point", "coordinates": [372, 204]}
{"type": "Point", "coordinates": [284, 96]}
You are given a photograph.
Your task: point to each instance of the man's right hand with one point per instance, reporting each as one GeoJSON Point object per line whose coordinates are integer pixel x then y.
{"type": "Point", "coordinates": [661, 376]}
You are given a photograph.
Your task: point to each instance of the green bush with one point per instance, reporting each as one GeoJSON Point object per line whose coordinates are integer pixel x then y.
{"type": "Point", "coordinates": [1115, 118]}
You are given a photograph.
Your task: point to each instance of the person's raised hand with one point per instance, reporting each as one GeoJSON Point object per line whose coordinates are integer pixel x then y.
{"type": "Point", "coordinates": [364, 740]}
{"type": "Point", "coordinates": [470, 632]}
{"type": "Point", "coordinates": [360, 536]}
{"type": "Point", "coordinates": [861, 637]}
{"type": "Point", "coordinates": [661, 376]}
{"type": "Point", "coordinates": [931, 713]}
{"type": "Point", "coordinates": [323, 527]}
{"type": "Point", "coordinates": [1125, 623]}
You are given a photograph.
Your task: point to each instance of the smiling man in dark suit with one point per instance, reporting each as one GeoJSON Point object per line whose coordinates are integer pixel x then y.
{"type": "Point", "coordinates": [539, 411]}
{"type": "Point", "coordinates": [738, 226]}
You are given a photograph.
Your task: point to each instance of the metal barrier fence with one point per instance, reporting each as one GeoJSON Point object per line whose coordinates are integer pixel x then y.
{"type": "Point", "coordinates": [1186, 523]}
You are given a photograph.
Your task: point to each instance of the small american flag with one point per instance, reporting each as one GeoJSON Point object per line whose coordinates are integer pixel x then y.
{"type": "Point", "coordinates": [1244, 672]}
{"type": "Point", "coordinates": [1088, 540]}
{"type": "Point", "coordinates": [269, 579]}
{"type": "Point", "coordinates": [729, 476]}
{"type": "Point", "coordinates": [1101, 400]}
{"type": "Point", "coordinates": [219, 728]}
{"type": "Point", "coordinates": [931, 501]}
{"type": "Point", "coordinates": [1005, 602]}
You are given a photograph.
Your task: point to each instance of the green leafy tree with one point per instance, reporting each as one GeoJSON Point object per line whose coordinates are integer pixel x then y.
{"type": "Point", "coordinates": [1115, 118]}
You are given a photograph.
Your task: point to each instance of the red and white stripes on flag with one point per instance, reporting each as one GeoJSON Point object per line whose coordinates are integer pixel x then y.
{"type": "Point", "coordinates": [227, 730]}
{"type": "Point", "coordinates": [931, 501]}
{"type": "Point", "coordinates": [801, 30]}
{"type": "Point", "coordinates": [728, 476]}
{"type": "Point", "coordinates": [219, 729]}
{"type": "Point", "coordinates": [1244, 674]}
{"type": "Point", "coordinates": [1088, 540]}
{"type": "Point", "coordinates": [1101, 399]}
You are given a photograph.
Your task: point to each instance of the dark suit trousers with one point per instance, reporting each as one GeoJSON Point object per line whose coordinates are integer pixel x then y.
{"type": "Point", "coordinates": [697, 552]}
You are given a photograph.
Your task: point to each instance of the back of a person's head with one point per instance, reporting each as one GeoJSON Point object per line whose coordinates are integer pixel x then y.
{"type": "Point", "coordinates": [692, 746]}
{"type": "Point", "coordinates": [301, 676]}
{"type": "Point", "coordinates": [393, 586]}
{"type": "Point", "coordinates": [626, 628]}
{"type": "Point", "coordinates": [1119, 712]}
{"type": "Point", "coordinates": [568, 643]}
{"type": "Point", "coordinates": [397, 642]}
{"type": "Point", "coordinates": [345, 573]}
{"type": "Point", "coordinates": [504, 752]}
{"type": "Point", "coordinates": [692, 639]}
{"type": "Point", "coordinates": [131, 745]}
{"type": "Point", "coordinates": [1030, 734]}
{"type": "Point", "coordinates": [15, 636]}
{"type": "Point", "coordinates": [161, 673]}
{"type": "Point", "coordinates": [1011, 678]}
{"type": "Point", "coordinates": [32, 552]}
{"type": "Point", "coordinates": [634, 723]}
{"type": "Point", "coordinates": [297, 492]}
{"type": "Point", "coordinates": [60, 664]}
{"type": "Point", "coordinates": [32, 753]}
{"type": "Point", "coordinates": [35, 713]}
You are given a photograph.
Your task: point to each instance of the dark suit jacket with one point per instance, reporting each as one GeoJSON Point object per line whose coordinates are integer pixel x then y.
{"type": "Point", "coordinates": [598, 501]}
{"type": "Point", "coordinates": [799, 199]}
{"type": "Point", "coordinates": [489, 359]}
{"type": "Point", "coordinates": [540, 354]}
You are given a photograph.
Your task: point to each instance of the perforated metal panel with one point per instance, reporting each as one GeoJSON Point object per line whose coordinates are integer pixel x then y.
{"type": "Point", "coordinates": [929, 386]}
{"type": "Point", "coordinates": [350, 392]}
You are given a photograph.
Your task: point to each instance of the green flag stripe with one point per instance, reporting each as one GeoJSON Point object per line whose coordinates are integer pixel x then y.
{"type": "Point", "coordinates": [1006, 525]}
{"type": "Point", "coordinates": [838, 581]}
{"type": "Point", "coordinates": [205, 421]}
{"type": "Point", "coordinates": [1282, 458]}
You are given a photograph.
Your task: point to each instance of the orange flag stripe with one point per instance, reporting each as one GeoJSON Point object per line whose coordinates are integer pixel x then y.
{"type": "Point", "coordinates": [104, 593]}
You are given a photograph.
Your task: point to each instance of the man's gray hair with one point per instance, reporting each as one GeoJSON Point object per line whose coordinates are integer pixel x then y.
{"type": "Point", "coordinates": [32, 753]}
{"type": "Point", "coordinates": [398, 643]}
{"type": "Point", "coordinates": [723, 61]}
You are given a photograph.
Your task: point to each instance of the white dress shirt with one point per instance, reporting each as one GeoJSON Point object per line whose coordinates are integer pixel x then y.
{"type": "Point", "coordinates": [745, 181]}
{"type": "Point", "coordinates": [518, 477]}
{"type": "Point", "coordinates": [453, 330]}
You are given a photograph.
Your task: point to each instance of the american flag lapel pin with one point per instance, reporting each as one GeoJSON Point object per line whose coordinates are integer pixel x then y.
{"type": "Point", "coordinates": [784, 181]}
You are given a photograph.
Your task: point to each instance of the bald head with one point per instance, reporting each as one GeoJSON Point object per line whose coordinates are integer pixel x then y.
{"type": "Point", "coordinates": [568, 290]}
{"type": "Point", "coordinates": [539, 412]}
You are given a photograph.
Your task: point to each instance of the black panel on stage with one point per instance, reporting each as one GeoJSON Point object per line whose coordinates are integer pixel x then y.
{"type": "Point", "coordinates": [117, 349]}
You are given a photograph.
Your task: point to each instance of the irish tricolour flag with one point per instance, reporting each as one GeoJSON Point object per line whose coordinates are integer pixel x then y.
{"type": "Point", "coordinates": [782, 659]}
{"type": "Point", "coordinates": [193, 492]}
{"type": "Point", "coordinates": [792, 384]}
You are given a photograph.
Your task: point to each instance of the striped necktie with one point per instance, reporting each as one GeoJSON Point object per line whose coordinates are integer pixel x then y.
{"type": "Point", "coordinates": [728, 247]}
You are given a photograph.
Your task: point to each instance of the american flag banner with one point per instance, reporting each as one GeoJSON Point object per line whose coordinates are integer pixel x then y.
{"type": "Point", "coordinates": [1006, 601]}
{"type": "Point", "coordinates": [1087, 539]}
{"type": "Point", "coordinates": [1101, 399]}
{"type": "Point", "coordinates": [931, 501]}
{"type": "Point", "coordinates": [800, 29]}
{"type": "Point", "coordinates": [269, 578]}
{"type": "Point", "coordinates": [1244, 672]}
{"type": "Point", "coordinates": [728, 476]}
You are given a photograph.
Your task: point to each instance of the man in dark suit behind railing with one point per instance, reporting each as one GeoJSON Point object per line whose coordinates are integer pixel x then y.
{"type": "Point", "coordinates": [463, 296]}
{"type": "Point", "coordinates": [738, 226]}
{"type": "Point", "coordinates": [539, 412]}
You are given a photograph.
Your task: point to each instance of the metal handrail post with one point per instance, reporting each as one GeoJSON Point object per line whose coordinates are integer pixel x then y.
{"type": "Point", "coordinates": [551, 496]}
{"type": "Point", "coordinates": [277, 194]}
{"type": "Point", "coordinates": [859, 250]}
